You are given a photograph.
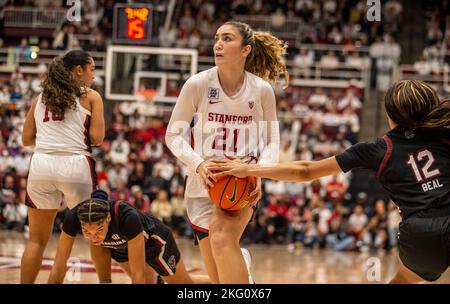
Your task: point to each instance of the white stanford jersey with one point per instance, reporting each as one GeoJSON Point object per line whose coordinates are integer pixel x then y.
{"type": "Point", "coordinates": [241, 125]}
{"type": "Point", "coordinates": [55, 134]}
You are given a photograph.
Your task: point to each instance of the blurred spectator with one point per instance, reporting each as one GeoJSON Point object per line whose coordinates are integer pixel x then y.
{"type": "Point", "coordinates": [393, 223]}
{"type": "Point", "coordinates": [153, 150]}
{"type": "Point", "coordinates": [138, 177]}
{"type": "Point", "coordinates": [319, 98]}
{"type": "Point", "coordinates": [335, 188]}
{"type": "Point", "coordinates": [177, 179]}
{"type": "Point", "coordinates": [329, 61]}
{"type": "Point", "coordinates": [117, 173]}
{"type": "Point", "coordinates": [139, 199]}
{"type": "Point", "coordinates": [23, 52]}
{"type": "Point", "coordinates": [161, 208]}
{"type": "Point", "coordinates": [349, 100]}
{"type": "Point", "coordinates": [120, 191]}
{"type": "Point", "coordinates": [355, 61]}
{"type": "Point", "coordinates": [321, 214]}
{"type": "Point", "coordinates": [99, 44]}
{"type": "Point", "coordinates": [65, 38]}
{"type": "Point", "coordinates": [157, 184]}
{"type": "Point", "coordinates": [165, 167]}
{"type": "Point", "coordinates": [277, 221]}
{"type": "Point", "coordinates": [21, 163]}
{"type": "Point", "coordinates": [376, 234]}
{"type": "Point", "coordinates": [136, 120]}
{"type": "Point", "coordinates": [120, 149]}
{"type": "Point", "coordinates": [339, 238]}
{"type": "Point", "coordinates": [287, 153]}
{"type": "Point", "coordinates": [14, 212]}
{"type": "Point", "coordinates": [422, 67]}
{"type": "Point", "coordinates": [278, 19]}
{"type": "Point", "coordinates": [179, 214]}
{"type": "Point", "coordinates": [303, 61]}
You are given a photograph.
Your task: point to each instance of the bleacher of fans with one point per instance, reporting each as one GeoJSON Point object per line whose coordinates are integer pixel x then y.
{"type": "Point", "coordinates": [133, 164]}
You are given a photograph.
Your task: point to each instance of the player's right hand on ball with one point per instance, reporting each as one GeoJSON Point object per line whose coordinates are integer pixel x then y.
{"type": "Point", "coordinates": [207, 176]}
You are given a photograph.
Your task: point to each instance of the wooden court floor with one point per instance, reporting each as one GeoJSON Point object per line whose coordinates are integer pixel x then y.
{"type": "Point", "coordinates": [270, 264]}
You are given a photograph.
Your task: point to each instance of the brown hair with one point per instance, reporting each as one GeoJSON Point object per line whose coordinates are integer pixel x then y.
{"type": "Point", "coordinates": [60, 87]}
{"type": "Point", "coordinates": [414, 104]}
{"type": "Point", "coordinates": [265, 59]}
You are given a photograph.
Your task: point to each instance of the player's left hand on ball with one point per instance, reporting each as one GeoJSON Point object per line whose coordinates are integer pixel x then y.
{"type": "Point", "coordinates": [257, 193]}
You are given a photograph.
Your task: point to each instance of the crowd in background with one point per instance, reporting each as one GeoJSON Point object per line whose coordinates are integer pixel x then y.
{"type": "Point", "coordinates": [133, 164]}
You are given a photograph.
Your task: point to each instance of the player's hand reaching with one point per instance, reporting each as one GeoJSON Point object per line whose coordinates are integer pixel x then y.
{"type": "Point", "coordinates": [229, 166]}
{"type": "Point", "coordinates": [234, 166]}
{"type": "Point", "coordinates": [205, 172]}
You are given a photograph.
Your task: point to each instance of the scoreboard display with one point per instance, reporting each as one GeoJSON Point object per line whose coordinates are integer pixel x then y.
{"type": "Point", "coordinates": [132, 23]}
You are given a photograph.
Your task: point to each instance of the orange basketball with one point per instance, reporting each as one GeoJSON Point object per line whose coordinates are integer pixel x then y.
{"type": "Point", "coordinates": [231, 193]}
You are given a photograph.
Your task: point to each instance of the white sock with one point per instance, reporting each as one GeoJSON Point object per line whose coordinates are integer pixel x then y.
{"type": "Point", "coordinates": [248, 262]}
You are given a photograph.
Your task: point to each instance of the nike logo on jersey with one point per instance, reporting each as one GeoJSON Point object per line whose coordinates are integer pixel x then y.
{"type": "Point", "coordinates": [214, 101]}
{"type": "Point", "coordinates": [233, 196]}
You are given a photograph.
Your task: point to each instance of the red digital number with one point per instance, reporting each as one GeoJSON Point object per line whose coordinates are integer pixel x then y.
{"type": "Point", "coordinates": [135, 29]}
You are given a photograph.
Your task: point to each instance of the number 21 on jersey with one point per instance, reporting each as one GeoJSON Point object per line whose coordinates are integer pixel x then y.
{"type": "Point", "coordinates": [220, 141]}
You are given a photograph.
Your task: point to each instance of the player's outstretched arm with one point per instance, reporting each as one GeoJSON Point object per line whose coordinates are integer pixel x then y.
{"type": "Point", "coordinates": [296, 171]}
{"type": "Point", "coordinates": [136, 258]}
{"type": "Point", "coordinates": [102, 260]}
{"type": "Point", "coordinates": [59, 268]}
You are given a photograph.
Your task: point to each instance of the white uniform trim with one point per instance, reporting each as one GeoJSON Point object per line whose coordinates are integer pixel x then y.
{"type": "Point", "coordinates": [161, 260]}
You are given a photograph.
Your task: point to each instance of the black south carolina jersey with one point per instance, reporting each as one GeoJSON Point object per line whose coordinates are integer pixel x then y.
{"type": "Point", "coordinates": [413, 166]}
{"type": "Point", "coordinates": [161, 251]}
{"type": "Point", "coordinates": [126, 223]}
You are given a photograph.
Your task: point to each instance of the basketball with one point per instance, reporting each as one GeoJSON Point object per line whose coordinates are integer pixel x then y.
{"type": "Point", "coordinates": [231, 193]}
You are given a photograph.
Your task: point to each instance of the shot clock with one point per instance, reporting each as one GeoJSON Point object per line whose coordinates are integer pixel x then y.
{"type": "Point", "coordinates": [132, 23]}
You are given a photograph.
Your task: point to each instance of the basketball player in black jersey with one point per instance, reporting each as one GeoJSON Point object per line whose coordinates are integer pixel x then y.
{"type": "Point", "coordinates": [139, 242]}
{"type": "Point", "coordinates": [412, 162]}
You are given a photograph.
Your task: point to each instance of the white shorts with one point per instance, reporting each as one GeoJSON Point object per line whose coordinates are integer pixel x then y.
{"type": "Point", "coordinates": [199, 211]}
{"type": "Point", "coordinates": [54, 177]}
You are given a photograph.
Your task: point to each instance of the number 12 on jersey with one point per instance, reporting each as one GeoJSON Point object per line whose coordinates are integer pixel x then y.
{"type": "Point", "coordinates": [424, 171]}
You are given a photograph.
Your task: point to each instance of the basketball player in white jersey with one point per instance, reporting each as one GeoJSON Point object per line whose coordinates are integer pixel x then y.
{"type": "Point", "coordinates": [62, 124]}
{"type": "Point", "coordinates": [233, 110]}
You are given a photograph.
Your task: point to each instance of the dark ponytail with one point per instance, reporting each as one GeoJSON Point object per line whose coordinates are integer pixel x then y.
{"type": "Point", "coordinates": [414, 104]}
{"type": "Point", "coordinates": [60, 87]}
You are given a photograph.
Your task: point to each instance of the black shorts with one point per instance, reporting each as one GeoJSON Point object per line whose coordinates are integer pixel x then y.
{"type": "Point", "coordinates": [424, 245]}
{"type": "Point", "coordinates": [200, 234]}
{"type": "Point", "coordinates": [161, 251]}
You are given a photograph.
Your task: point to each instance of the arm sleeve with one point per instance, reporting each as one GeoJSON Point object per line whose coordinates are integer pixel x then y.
{"type": "Point", "coordinates": [362, 155]}
{"type": "Point", "coordinates": [71, 224]}
{"type": "Point", "coordinates": [179, 126]}
{"type": "Point", "coordinates": [271, 130]}
{"type": "Point", "coordinates": [130, 222]}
